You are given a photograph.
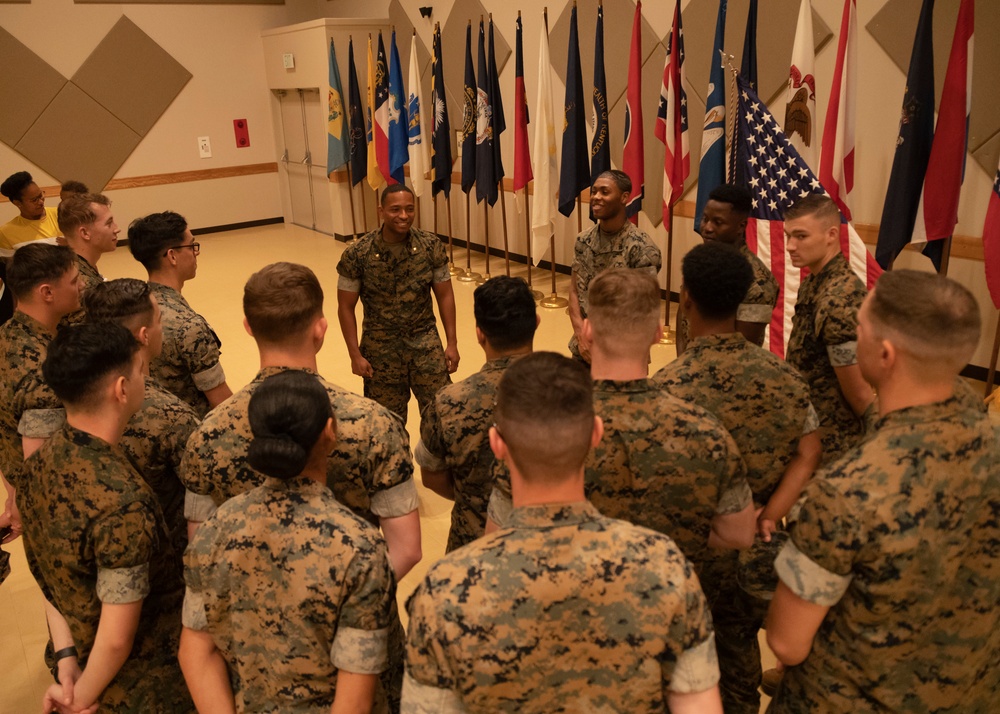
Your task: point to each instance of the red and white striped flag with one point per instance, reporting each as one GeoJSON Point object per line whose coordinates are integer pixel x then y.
{"type": "Point", "coordinates": [672, 118]}
{"type": "Point", "coordinates": [633, 158]}
{"type": "Point", "coordinates": [836, 163]}
{"type": "Point", "coordinates": [991, 242]}
{"type": "Point", "coordinates": [938, 210]}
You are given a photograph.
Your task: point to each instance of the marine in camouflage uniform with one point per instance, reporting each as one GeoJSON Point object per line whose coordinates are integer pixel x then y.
{"type": "Point", "coordinates": [189, 364]}
{"type": "Point", "coordinates": [596, 251]}
{"type": "Point", "coordinates": [399, 336]}
{"type": "Point", "coordinates": [824, 336]}
{"type": "Point", "coordinates": [369, 471]}
{"type": "Point", "coordinates": [899, 539]}
{"type": "Point", "coordinates": [89, 277]}
{"type": "Point", "coordinates": [293, 587]}
{"type": "Point", "coordinates": [28, 407]}
{"type": "Point", "coordinates": [94, 534]}
{"type": "Point", "coordinates": [154, 441]}
{"type": "Point", "coordinates": [567, 610]}
{"type": "Point", "coordinates": [454, 433]}
{"type": "Point", "coordinates": [764, 404]}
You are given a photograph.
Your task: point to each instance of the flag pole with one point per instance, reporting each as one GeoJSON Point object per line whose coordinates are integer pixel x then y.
{"type": "Point", "coordinates": [991, 375]}
{"type": "Point", "coordinates": [527, 232]}
{"type": "Point", "coordinates": [486, 232]}
{"type": "Point", "coordinates": [364, 209]}
{"type": "Point", "coordinates": [452, 268]}
{"type": "Point", "coordinates": [506, 245]}
{"type": "Point", "coordinates": [945, 256]}
{"type": "Point", "coordinates": [553, 300]}
{"type": "Point", "coordinates": [579, 213]}
{"type": "Point", "coordinates": [434, 203]}
{"type": "Point", "coordinates": [669, 336]}
{"type": "Point", "coordinates": [350, 193]}
{"type": "Point", "coordinates": [468, 276]}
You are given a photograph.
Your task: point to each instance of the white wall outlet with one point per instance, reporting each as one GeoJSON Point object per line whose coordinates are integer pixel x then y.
{"type": "Point", "coordinates": [204, 147]}
{"type": "Point", "coordinates": [288, 60]}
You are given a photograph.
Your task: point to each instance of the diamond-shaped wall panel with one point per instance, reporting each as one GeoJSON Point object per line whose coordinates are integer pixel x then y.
{"type": "Point", "coordinates": [618, 16]}
{"type": "Point", "coordinates": [131, 76]}
{"type": "Point", "coordinates": [27, 85]}
{"type": "Point", "coordinates": [404, 36]}
{"type": "Point", "coordinates": [75, 137]}
{"type": "Point", "coordinates": [894, 27]}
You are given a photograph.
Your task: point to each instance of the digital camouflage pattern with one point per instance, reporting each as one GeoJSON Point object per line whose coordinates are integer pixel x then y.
{"type": "Point", "coordinates": [454, 437]}
{"type": "Point", "coordinates": [27, 406]}
{"type": "Point", "coordinates": [764, 404]}
{"type": "Point", "coordinates": [565, 611]}
{"type": "Point", "coordinates": [824, 336]}
{"type": "Point", "coordinates": [293, 587]}
{"type": "Point", "coordinates": [370, 470]}
{"type": "Point", "coordinates": [399, 331]}
{"type": "Point", "coordinates": [89, 277]}
{"type": "Point", "coordinates": [189, 364]}
{"type": "Point", "coordinates": [596, 251]}
{"type": "Point", "coordinates": [664, 464]}
{"type": "Point", "coordinates": [154, 441]}
{"type": "Point", "coordinates": [94, 534]}
{"type": "Point", "coordinates": [899, 538]}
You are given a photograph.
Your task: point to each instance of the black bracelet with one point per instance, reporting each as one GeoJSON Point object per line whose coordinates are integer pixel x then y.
{"type": "Point", "coordinates": [64, 653]}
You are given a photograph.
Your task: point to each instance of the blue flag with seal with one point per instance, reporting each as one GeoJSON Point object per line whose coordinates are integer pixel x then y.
{"type": "Point", "coordinates": [470, 117]}
{"type": "Point", "coordinates": [359, 136]}
{"type": "Point", "coordinates": [713, 139]}
{"type": "Point", "coordinates": [486, 185]}
{"type": "Point", "coordinates": [399, 137]}
{"type": "Point", "coordinates": [337, 127]}
{"type": "Point", "coordinates": [496, 110]}
{"type": "Point", "coordinates": [441, 160]}
{"type": "Point", "coordinates": [574, 173]}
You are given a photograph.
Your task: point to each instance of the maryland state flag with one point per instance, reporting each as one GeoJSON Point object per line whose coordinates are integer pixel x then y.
{"type": "Point", "coordinates": [633, 158]}
{"type": "Point", "coordinates": [441, 161]}
{"type": "Point", "coordinates": [574, 176]}
{"type": "Point", "coordinates": [359, 140]}
{"type": "Point", "coordinates": [470, 117]}
{"type": "Point", "coordinates": [337, 127]}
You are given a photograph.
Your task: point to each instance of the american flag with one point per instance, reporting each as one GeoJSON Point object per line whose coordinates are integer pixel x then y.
{"type": "Point", "coordinates": [777, 177]}
{"type": "Point", "coordinates": [672, 118]}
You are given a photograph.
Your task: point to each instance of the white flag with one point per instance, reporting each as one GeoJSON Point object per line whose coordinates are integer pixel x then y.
{"type": "Point", "coordinates": [543, 151]}
{"type": "Point", "coordinates": [801, 123]}
{"type": "Point", "coordinates": [419, 158]}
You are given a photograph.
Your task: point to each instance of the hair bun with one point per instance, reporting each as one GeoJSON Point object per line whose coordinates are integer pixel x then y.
{"type": "Point", "coordinates": [277, 456]}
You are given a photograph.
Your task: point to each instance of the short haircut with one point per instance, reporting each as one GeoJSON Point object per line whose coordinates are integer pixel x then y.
{"type": "Point", "coordinates": [545, 414]}
{"type": "Point", "coordinates": [395, 188]}
{"type": "Point", "coordinates": [281, 300]}
{"type": "Point", "coordinates": [287, 414]}
{"type": "Point", "coordinates": [737, 196]}
{"type": "Point", "coordinates": [125, 301]}
{"type": "Point", "coordinates": [932, 318]}
{"type": "Point", "coordinates": [624, 307]}
{"type": "Point", "coordinates": [77, 210]}
{"type": "Point", "coordinates": [150, 236]}
{"type": "Point", "coordinates": [505, 311]}
{"type": "Point", "coordinates": [81, 357]}
{"type": "Point", "coordinates": [620, 179]}
{"type": "Point", "coordinates": [35, 264]}
{"type": "Point", "coordinates": [74, 187]}
{"type": "Point", "coordinates": [815, 204]}
{"type": "Point", "coordinates": [716, 277]}
{"type": "Point", "coordinates": [14, 185]}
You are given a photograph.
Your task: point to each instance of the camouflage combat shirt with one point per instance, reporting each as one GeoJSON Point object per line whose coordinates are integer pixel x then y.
{"type": "Point", "coordinates": [760, 400]}
{"type": "Point", "coordinates": [189, 364]}
{"type": "Point", "coordinates": [89, 277]}
{"type": "Point", "coordinates": [154, 441]}
{"type": "Point", "coordinates": [27, 406]}
{"type": "Point", "coordinates": [292, 587]}
{"type": "Point", "coordinates": [394, 282]}
{"type": "Point", "coordinates": [454, 437]}
{"type": "Point", "coordinates": [565, 611]}
{"type": "Point", "coordinates": [899, 538]}
{"type": "Point", "coordinates": [596, 251]}
{"type": "Point", "coordinates": [370, 470]}
{"type": "Point", "coordinates": [824, 336]}
{"type": "Point", "coordinates": [94, 534]}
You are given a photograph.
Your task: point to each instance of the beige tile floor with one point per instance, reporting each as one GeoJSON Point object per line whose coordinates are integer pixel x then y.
{"type": "Point", "coordinates": [226, 261]}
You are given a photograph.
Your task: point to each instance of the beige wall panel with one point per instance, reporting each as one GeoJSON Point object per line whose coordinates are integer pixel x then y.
{"type": "Point", "coordinates": [131, 76]}
{"type": "Point", "coordinates": [77, 138]}
{"type": "Point", "coordinates": [27, 85]}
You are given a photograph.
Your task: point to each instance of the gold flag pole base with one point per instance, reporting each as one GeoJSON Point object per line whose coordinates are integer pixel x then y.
{"type": "Point", "coordinates": [554, 301]}
{"type": "Point", "coordinates": [483, 279]}
{"type": "Point", "coordinates": [469, 277]}
{"type": "Point", "coordinates": [537, 295]}
{"type": "Point", "coordinates": [669, 336]}
{"type": "Point", "coordinates": [455, 270]}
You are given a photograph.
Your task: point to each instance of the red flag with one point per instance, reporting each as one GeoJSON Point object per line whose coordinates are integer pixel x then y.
{"type": "Point", "coordinates": [522, 158]}
{"type": "Point", "coordinates": [946, 166]}
{"type": "Point", "coordinates": [672, 120]}
{"type": "Point", "coordinates": [991, 242]}
{"type": "Point", "coordinates": [836, 162]}
{"type": "Point", "coordinates": [633, 161]}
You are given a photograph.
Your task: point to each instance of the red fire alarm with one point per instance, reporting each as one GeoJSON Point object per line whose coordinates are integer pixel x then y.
{"type": "Point", "coordinates": [242, 133]}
